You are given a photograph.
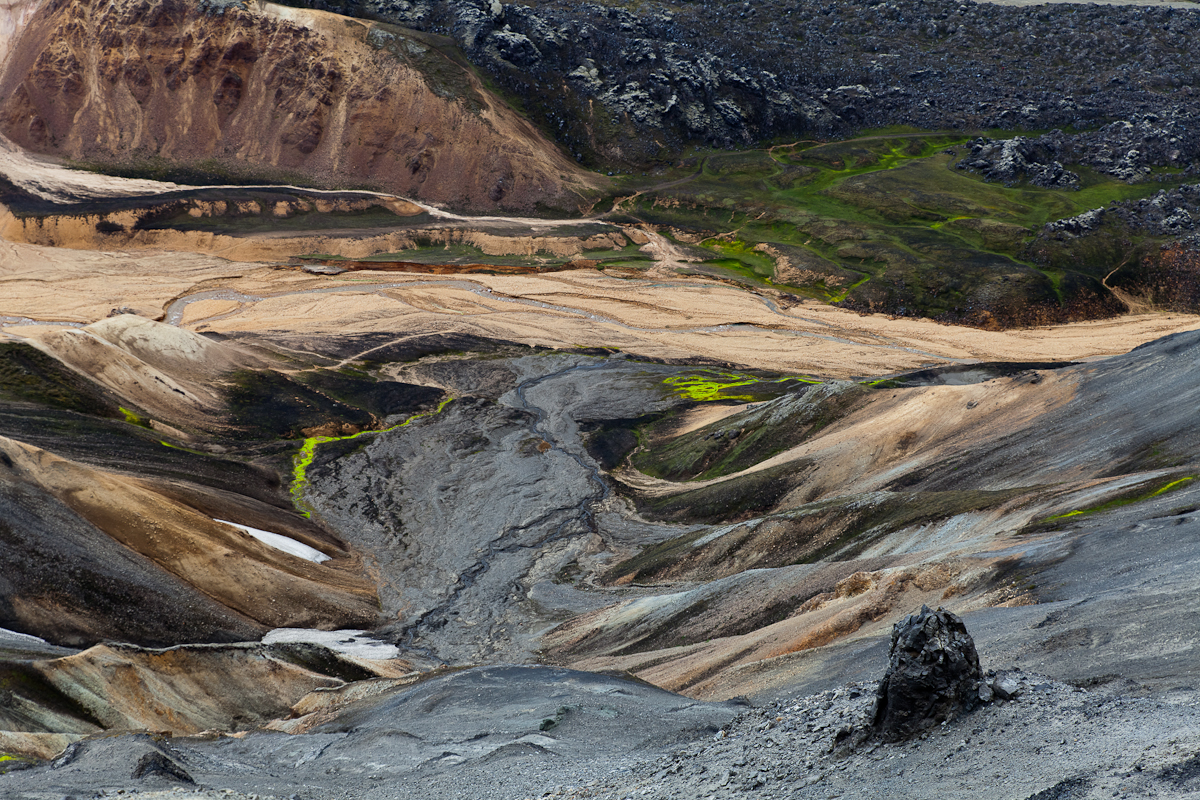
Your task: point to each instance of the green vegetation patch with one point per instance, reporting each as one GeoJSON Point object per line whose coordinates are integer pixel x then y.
{"type": "Point", "coordinates": [886, 223]}
{"type": "Point", "coordinates": [746, 438]}
{"type": "Point", "coordinates": [234, 221]}
{"type": "Point", "coordinates": [710, 385]}
{"type": "Point", "coordinates": [428, 251]}
{"type": "Point", "coordinates": [308, 452]}
{"type": "Point", "coordinates": [29, 375]}
{"type": "Point", "coordinates": [1138, 494]}
{"type": "Point", "coordinates": [203, 172]}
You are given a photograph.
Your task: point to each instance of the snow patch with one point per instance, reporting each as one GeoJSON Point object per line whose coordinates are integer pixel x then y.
{"type": "Point", "coordinates": [357, 644]}
{"type": "Point", "coordinates": [280, 542]}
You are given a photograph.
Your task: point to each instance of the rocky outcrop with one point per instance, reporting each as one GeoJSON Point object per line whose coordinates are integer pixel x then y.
{"type": "Point", "coordinates": [1170, 212]}
{"type": "Point", "coordinates": [250, 90]}
{"type": "Point", "coordinates": [1016, 160]}
{"type": "Point", "coordinates": [612, 85]}
{"type": "Point", "coordinates": [933, 675]}
{"type": "Point", "coordinates": [632, 83]}
{"type": "Point", "coordinates": [1129, 149]}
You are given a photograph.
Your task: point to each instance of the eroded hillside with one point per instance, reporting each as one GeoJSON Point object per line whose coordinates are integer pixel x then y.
{"type": "Point", "coordinates": [237, 90]}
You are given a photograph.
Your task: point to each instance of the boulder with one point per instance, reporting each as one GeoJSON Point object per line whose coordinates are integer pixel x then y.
{"type": "Point", "coordinates": [933, 675]}
{"type": "Point", "coordinates": [158, 765]}
{"type": "Point", "coordinates": [1007, 686]}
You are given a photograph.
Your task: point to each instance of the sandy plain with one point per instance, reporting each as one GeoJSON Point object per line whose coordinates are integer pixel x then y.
{"type": "Point", "coordinates": [661, 317]}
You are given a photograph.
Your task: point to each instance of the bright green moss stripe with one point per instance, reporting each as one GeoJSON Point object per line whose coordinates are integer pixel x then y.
{"type": "Point", "coordinates": [308, 451]}
{"type": "Point", "coordinates": [132, 418]}
{"type": "Point", "coordinates": [712, 384]}
{"type": "Point", "coordinates": [1172, 485]}
{"type": "Point", "coordinates": [1123, 501]}
{"type": "Point", "coordinates": [184, 449]}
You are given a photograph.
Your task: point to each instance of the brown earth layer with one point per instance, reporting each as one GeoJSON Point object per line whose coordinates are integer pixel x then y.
{"type": "Point", "coordinates": [265, 88]}
{"type": "Point", "coordinates": [448, 269]}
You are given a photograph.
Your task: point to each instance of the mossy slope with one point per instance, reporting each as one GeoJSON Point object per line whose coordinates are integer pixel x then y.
{"type": "Point", "coordinates": [887, 223]}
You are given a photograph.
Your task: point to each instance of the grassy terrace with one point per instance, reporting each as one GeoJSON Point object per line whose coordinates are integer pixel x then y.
{"type": "Point", "coordinates": [886, 222]}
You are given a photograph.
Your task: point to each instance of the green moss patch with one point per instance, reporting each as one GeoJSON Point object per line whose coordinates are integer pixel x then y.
{"type": "Point", "coordinates": [747, 438]}
{"type": "Point", "coordinates": [29, 375]}
{"type": "Point", "coordinates": [886, 223]}
{"type": "Point", "coordinates": [308, 451]}
{"type": "Point", "coordinates": [1138, 494]}
{"type": "Point", "coordinates": [708, 385]}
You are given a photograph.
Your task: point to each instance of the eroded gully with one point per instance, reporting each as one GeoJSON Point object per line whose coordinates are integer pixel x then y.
{"type": "Point", "coordinates": [509, 540]}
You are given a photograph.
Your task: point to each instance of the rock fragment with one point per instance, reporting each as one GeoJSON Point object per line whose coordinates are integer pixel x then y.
{"type": "Point", "coordinates": [933, 675]}
{"type": "Point", "coordinates": [156, 764]}
{"type": "Point", "coordinates": [1006, 686]}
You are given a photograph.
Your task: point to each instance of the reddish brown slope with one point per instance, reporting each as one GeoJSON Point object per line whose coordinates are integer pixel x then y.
{"type": "Point", "coordinates": [275, 90]}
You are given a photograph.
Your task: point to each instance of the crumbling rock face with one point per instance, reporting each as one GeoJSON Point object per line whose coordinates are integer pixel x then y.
{"type": "Point", "coordinates": [1077, 225]}
{"type": "Point", "coordinates": [262, 91]}
{"type": "Point", "coordinates": [1128, 150]}
{"type": "Point", "coordinates": [933, 675]}
{"type": "Point", "coordinates": [1169, 212]}
{"type": "Point", "coordinates": [1020, 159]}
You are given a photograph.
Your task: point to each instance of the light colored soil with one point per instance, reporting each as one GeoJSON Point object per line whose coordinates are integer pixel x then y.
{"type": "Point", "coordinates": [664, 318]}
{"type": "Point", "coordinates": [51, 181]}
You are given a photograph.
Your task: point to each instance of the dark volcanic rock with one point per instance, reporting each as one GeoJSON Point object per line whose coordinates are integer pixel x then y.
{"type": "Point", "coordinates": [155, 764]}
{"type": "Point", "coordinates": [1020, 159]}
{"type": "Point", "coordinates": [1170, 212]}
{"type": "Point", "coordinates": [933, 675]}
{"type": "Point", "coordinates": [630, 84]}
{"type": "Point", "coordinates": [1128, 150]}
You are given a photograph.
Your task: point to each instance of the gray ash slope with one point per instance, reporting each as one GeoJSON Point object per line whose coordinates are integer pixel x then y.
{"type": "Point", "coordinates": [1089, 715]}
{"type": "Point", "coordinates": [1103, 666]}
{"type": "Point", "coordinates": [476, 554]}
{"type": "Point", "coordinates": [500, 731]}
{"type": "Point", "coordinates": [621, 85]}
